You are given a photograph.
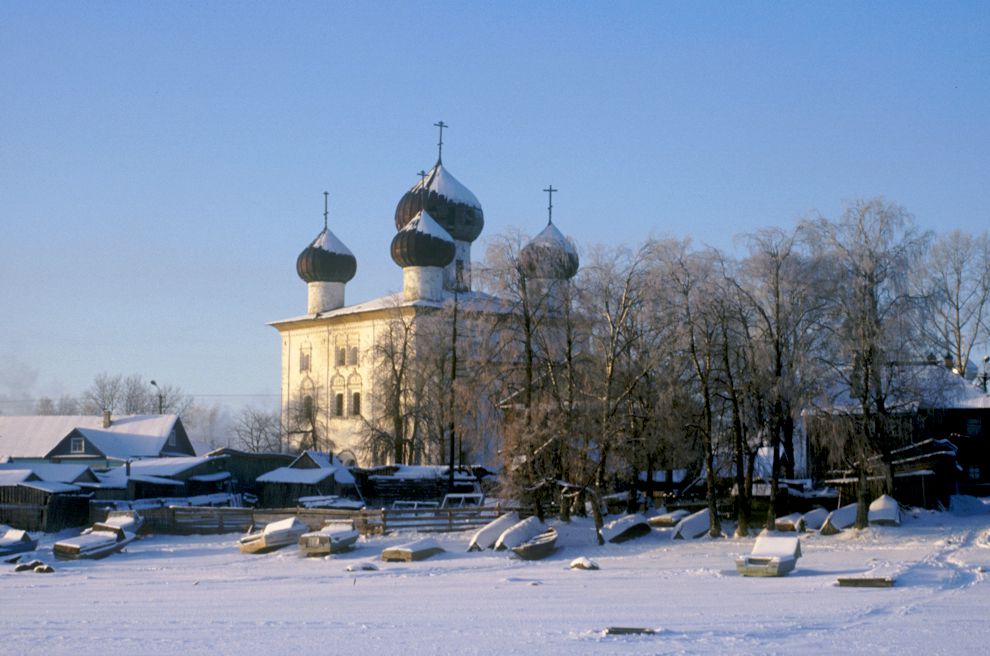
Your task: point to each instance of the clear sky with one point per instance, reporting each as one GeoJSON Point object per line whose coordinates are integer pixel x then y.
{"type": "Point", "coordinates": [162, 164]}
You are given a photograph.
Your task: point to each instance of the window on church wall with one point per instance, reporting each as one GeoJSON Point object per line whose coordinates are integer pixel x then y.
{"type": "Point", "coordinates": [355, 404]}
{"type": "Point", "coordinates": [352, 355]}
{"type": "Point", "coordinates": [341, 356]}
{"type": "Point", "coordinates": [308, 411]}
{"type": "Point", "coordinates": [305, 360]}
{"type": "Point", "coordinates": [338, 404]}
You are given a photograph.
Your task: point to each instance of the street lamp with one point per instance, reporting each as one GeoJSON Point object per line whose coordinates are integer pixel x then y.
{"type": "Point", "coordinates": [161, 398]}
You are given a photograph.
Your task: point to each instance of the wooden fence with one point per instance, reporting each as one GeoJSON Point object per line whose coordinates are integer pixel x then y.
{"type": "Point", "coordinates": [206, 520]}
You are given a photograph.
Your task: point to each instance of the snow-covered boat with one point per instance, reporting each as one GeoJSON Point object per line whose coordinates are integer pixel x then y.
{"type": "Point", "coordinates": [627, 527]}
{"type": "Point", "coordinates": [666, 519]}
{"type": "Point", "coordinates": [335, 536]}
{"type": "Point", "coordinates": [274, 536]}
{"type": "Point", "coordinates": [102, 538]}
{"type": "Point", "coordinates": [771, 556]}
{"type": "Point", "coordinates": [793, 523]}
{"type": "Point", "coordinates": [839, 519]}
{"type": "Point", "coordinates": [518, 533]}
{"type": "Point", "coordinates": [538, 547]}
{"type": "Point", "coordinates": [813, 519]}
{"type": "Point", "coordinates": [15, 541]}
{"type": "Point", "coordinates": [418, 550]}
{"type": "Point", "coordinates": [487, 535]}
{"type": "Point", "coordinates": [693, 526]}
{"type": "Point", "coordinates": [884, 511]}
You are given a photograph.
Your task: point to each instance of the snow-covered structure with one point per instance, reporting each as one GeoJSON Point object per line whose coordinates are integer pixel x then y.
{"type": "Point", "coordinates": [943, 432]}
{"type": "Point", "coordinates": [94, 440]}
{"type": "Point", "coordinates": [332, 382]}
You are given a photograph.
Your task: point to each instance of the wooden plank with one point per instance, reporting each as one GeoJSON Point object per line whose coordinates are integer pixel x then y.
{"type": "Point", "coordinates": [865, 582]}
{"type": "Point", "coordinates": [628, 630]}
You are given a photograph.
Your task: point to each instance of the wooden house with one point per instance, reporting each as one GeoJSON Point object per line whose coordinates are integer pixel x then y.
{"type": "Point", "coordinates": [310, 474]}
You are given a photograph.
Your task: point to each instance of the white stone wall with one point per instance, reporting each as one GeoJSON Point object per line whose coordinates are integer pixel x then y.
{"type": "Point", "coordinates": [422, 283]}
{"type": "Point", "coordinates": [324, 296]}
{"type": "Point", "coordinates": [324, 378]}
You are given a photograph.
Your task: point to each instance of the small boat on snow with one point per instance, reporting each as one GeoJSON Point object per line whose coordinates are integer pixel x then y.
{"type": "Point", "coordinates": [335, 536]}
{"type": "Point", "coordinates": [274, 536]}
{"type": "Point", "coordinates": [539, 547]}
{"type": "Point", "coordinates": [627, 527]}
{"type": "Point", "coordinates": [102, 538]}
{"type": "Point", "coordinates": [15, 541]}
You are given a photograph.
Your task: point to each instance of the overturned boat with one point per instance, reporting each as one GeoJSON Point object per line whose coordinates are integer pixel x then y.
{"type": "Point", "coordinates": [274, 536]}
{"type": "Point", "coordinates": [538, 547]}
{"type": "Point", "coordinates": [336, 536]}
{"type": "Point", "coordinates": [102, 538]}
{"type": "Point", "coordinates": [15, 541]}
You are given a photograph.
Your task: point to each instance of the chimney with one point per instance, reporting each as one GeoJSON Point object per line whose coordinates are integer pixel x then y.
{"type": "Point", "coordinates": [106, 419]}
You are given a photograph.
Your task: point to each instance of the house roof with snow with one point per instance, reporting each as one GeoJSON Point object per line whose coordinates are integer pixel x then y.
{"type": "Point", "coordinates": [45, 436]}
{"type": "Point", "coordinates": [162, 469]}
{"type": "Point", "coordinates": [310, 468]}
{"type": "Point", "coordinates": [56, 473]}
{"type": "Point", "coordinates": [917, 386]}
{"type": "Point", "coordinates": [12, 477]}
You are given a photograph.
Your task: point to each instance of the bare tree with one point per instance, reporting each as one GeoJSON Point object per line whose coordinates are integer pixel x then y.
{"type": "Point", "coordinates": [958, 285]}
{"type": "Point", "coordinates": [874, 247]}
{"type": "Point", "coordinates": [258, 431]}
{"type": "Point", "coordinates": [104, 395]}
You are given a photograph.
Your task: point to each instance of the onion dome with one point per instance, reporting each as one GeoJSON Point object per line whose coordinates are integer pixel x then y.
{"type": "Point", "coordinates": [449, 202]}
{"type": "Point", "coordinates": [549, 256]}
{"type": "Point", "coordinates": [422, 242]}
{"type": "Point", "coordinates": [326, 260]}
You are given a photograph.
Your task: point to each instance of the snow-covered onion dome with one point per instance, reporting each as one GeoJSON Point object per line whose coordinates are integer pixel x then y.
{"type": "Point", "coordinates": [449, 202]}
{"type": "Point", "coordinates": [326, 260]}
{"type": "Point", "coordinates": [549, 256]}
{"type": "Point", "coordinates": [422, 248]}
{"type": "Point", "coordinates": [326, 265]}
{"type": "Point", "coordinates": [422, 242]}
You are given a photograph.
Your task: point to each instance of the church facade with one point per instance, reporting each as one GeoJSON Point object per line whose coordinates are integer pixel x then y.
{"type": "Point", "coordinates": [339, 361]}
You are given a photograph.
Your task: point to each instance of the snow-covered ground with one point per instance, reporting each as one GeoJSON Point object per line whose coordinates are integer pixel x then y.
{"type": "Point", "coordinates": [198, 595]}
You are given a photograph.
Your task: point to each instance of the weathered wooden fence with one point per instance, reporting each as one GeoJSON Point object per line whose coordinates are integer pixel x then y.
{"type": "Point", "coordinates": [206, 520]}
{"type": "Point", "coordinates": [58, 513]}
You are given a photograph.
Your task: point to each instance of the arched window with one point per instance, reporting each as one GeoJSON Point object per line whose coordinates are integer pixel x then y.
{"type": "Point", "coordinates": [308, 409]}
{"type": "Point", "coordinates": [354, 395]}
{"type": "Point", "coordinates": [337, 390]}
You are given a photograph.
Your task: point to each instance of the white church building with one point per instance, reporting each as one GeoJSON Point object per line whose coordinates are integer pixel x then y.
{"type": "Point", "coordinates": [331, 365]}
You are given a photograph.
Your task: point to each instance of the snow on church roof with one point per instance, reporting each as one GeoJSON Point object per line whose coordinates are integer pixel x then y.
{"type": "Point", "coordinates": [328, 241]}
{"type": "Point", "coordinates": [427, 225]}
{"type": "Point", "coordinates": [469, 301]}
{"type": "Point", "coordinates": [443, 183]}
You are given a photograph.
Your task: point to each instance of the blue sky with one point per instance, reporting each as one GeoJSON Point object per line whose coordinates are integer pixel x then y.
{"type": "Point", "coordinates": [162, 164]}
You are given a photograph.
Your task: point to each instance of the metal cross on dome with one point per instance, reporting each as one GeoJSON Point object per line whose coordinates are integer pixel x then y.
{"type": "Point", "coordinates": [440, 125]}
{"type": "Point", "coordinates": [326, 208]}
{"type": "Point", "coordinates": [422, 189]}
{"type": "Point", "coordinates": [550, 191]}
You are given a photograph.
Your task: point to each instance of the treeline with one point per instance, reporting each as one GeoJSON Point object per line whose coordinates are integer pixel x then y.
{"type": "Point", "coordinates": [674, 355]}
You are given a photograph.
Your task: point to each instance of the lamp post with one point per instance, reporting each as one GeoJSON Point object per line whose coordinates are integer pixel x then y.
{"type": "Point", "coordinates": [161, 398]}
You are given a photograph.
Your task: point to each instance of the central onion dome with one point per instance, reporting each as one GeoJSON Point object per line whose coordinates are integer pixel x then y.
{"type": "Point", "coordinates": [422, 242]}
{"type": "Point", "coordinates": [549, 256]}
{"type": "Point", "coordinates": [326, 260]}
{"type": "Point", "coordinates": [449, 202]}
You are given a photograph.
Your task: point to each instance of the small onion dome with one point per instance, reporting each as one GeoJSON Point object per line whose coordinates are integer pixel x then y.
{"type": "Point", "coordinates": [549, 256]}
{"type": "Point", "coordinates": [450, 203]}
{"type": "Point", "coordinates": [422, 242]}
{"type": "Point", "coordinates": [326, 260]}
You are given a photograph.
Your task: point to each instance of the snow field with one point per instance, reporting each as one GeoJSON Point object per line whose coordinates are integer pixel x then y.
{"type": "Point", "coordinates": [198, 594]}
